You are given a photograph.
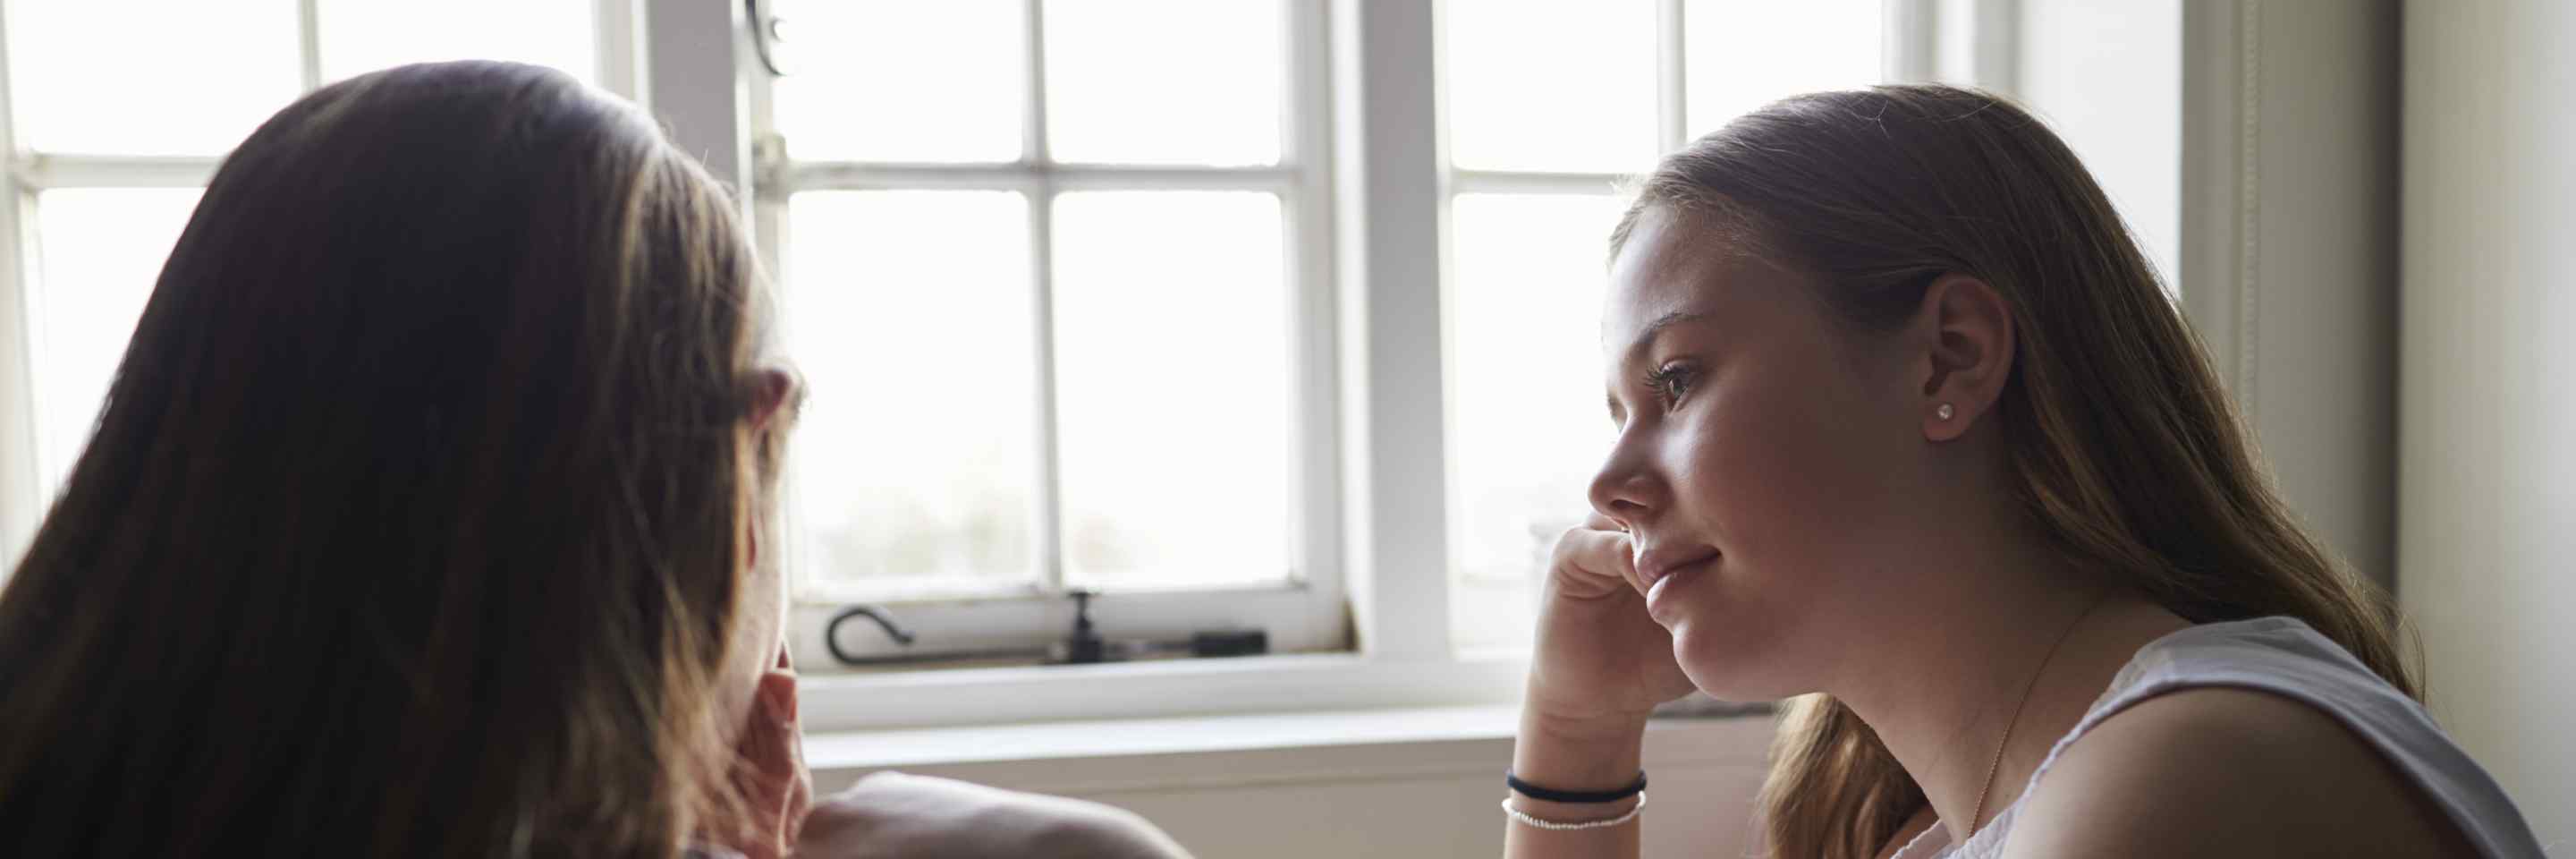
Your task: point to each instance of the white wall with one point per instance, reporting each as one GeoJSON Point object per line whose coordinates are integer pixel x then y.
{"type": "Point", "coordinates": [2107, 75]}
{"type": "Point", "coordinates": [2487, 439]}
{"type": "Point", "coordinates": [2250, 145]}
{"type": "Point", "coordinates": [2312, 333]}
{"type": "Point", "coordinates": [1415, 785]}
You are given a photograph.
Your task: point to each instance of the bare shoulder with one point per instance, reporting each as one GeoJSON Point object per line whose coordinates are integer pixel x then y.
{"type": "Point", "coordinates": [2229, 772]}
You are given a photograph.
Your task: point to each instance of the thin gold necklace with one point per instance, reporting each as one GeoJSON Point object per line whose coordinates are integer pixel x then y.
{"type": "Point", "coordinates": [2032, 686]}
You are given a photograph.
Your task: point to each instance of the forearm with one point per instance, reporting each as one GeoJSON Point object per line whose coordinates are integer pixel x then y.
{"type": "Point", "coordinates": [1588, 757]}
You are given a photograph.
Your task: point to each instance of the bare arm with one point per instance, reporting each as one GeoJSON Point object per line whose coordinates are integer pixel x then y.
{"type": "Point", "coordinates": [2229, 773]}
{"type": "Point", "coordinates": [896, 816]}
{"type": "Point", "coordinates": [1600, 667]}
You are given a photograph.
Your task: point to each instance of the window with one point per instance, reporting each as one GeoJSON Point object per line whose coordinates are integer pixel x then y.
{"type": "Point", "coordinates": [108, 150]}
{"type": "Point", "coordinates": [1089, 264]}
{"type": "Point", "coordinates": [1536, 153]}
{"type": "Point", "coordinates": [1193, 304]}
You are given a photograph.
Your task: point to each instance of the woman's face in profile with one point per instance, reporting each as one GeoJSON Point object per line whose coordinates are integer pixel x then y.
{"type": "Point", "coordinates": [1760, 463]}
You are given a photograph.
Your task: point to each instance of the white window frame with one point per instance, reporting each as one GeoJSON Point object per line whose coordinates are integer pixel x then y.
{"type": "Point", "coordinates": [1391, 184]}
{"type": "Point", "coordinates": [1372, 370]}
{"type": "Point", "coordinates": [23, 175]}
{"type": "Point", "coordinates": [1367, 181]}
{"type": "Point", "coordinates": [1300, 615]}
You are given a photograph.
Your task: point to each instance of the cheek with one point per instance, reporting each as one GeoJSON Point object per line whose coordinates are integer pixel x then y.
{"type": "Point", "coordinates": [1775, 472]}
{"type": "Point", "coordinates": [1786, 480]}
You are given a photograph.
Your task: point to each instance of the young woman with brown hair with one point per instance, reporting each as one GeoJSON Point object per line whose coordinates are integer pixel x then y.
{"type": "Point", "coordinates": [426, 517]}
{"type": "Point", "coordinates": [1909, 430]}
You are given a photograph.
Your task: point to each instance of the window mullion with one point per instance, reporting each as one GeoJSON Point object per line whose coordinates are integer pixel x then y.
{"type": "Point", "coordinates": [1033, 108]}
{"type": "Point", "coordinates": [689, 46]}
{"type": "Point", "coordinates": [1672, 64]}
{"type": "Point", "coordinates": [1308, 147]}
{"type": "Point", "coordinates": [308, 41]}
{"type": "Point", "coordinates": [1049, 486]}
{"type": "Point", "coordinates": [1390, 172]}
{"type": "Point", "coordinates": [1041, 202]}
{"type": "Point", "coordinates": [21, 498]}
{"type": "Point", "coordinates": [617, 32]}
{"type": "Point", "coordinates": [1910, 37]}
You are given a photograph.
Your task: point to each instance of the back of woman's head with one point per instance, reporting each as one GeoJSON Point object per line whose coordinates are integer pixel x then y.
{"type": "Point", "coordinates": [2122, 448]}
{"type": "Point", "coordinates": [413, 521]}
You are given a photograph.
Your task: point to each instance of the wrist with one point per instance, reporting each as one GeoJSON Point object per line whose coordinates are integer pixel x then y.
{"type": "Point", "coordinates": [1590, 754]}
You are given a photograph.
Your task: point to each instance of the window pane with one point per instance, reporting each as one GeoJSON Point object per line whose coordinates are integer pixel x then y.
{"type": "Point", "coordinates": [939, 81]}
{"type": "Point", "coordinates": [360, 36]}
{"type": "Point", "coordinates": [1172, 363]}
{"type": "Point", "coordinates": [1528, 427]}
{"type": "Point", "coordinates": [1743, 54]}
{"type": "Point", "coordinates": [99, 252]}
{"type": "Point", "coordinates": [148, 77]}
{"type": "Point", "coordinates": [1164, 81]}
{"type": "Point", "coordinates": [1551, 86]}
{"type": "Point", "coordinates": [909, 314]}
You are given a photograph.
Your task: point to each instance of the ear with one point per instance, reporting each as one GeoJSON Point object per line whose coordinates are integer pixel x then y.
{"type": "Point", "coordinates": [1969, 331]}
{"type": "Point", "coordinates": [772, 390]}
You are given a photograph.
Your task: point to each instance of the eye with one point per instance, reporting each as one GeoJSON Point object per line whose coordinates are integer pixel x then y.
{"type": "Point", "coordinates": [1672, 381]}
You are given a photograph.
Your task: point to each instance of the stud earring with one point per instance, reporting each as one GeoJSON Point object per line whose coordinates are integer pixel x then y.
{"type": "Point", "coordinates": [1944, 412]}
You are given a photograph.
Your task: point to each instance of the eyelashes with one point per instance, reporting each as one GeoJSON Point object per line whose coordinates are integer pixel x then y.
{"type": "Point", "coordinates": [1672, 381]}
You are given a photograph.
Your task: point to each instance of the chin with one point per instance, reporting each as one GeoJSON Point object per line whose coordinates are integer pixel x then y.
{"type": "Point", "coordinates": [1734, 659]}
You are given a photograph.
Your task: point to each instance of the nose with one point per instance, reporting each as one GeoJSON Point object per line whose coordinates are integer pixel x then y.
{"type": "Point", "coordinates": [1626, 489]}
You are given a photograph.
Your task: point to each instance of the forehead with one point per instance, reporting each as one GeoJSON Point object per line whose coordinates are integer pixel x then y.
{"type": "Point", "coordinates": [1675, 263]}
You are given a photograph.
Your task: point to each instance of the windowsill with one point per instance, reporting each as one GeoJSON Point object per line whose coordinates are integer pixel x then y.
{"type": "Point", "coordinates": [1129, 754]}
{"type": "Point", "coordinates": [871, 750]}
{"type": "Point", "coordinates": [1254, 686]}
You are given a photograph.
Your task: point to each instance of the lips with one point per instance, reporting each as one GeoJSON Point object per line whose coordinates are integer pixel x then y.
{"type": "Point", "coordinates": [1664, 571]}
{"type": "Point", "coordinates": [1656, 563]}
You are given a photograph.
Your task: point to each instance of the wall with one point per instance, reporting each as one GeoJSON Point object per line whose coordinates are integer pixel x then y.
{"type": "Point", "coordinates": [1411, 784]}
{"type": "Point", "coordinates": [2487, 380]}
{"type": "Point", "coordinates": [2107, 75]}
{"type": "Point", "coordinates": [2251, 146]}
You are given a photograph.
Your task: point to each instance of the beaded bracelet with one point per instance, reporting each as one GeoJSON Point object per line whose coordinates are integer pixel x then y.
{"type": "Point", "coordinates": [1524, 819]}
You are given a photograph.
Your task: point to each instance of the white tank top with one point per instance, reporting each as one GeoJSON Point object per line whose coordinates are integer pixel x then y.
{"type": "Point", "coordinates": [2283, 656]}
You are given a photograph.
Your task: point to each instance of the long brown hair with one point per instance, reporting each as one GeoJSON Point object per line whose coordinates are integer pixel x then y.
{"type": "Point", "coordinates": [2123, 447]}
{"type": "Point", "coordinates": [412, 525]}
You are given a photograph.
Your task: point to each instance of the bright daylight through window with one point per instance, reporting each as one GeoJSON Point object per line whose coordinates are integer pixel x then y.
{"type": "Point", "coordinates": [112, 186]}
{"type": "Point", "coordinates": [1044, 292]}
{"type": "Point", "coordinates": [1058, 272]}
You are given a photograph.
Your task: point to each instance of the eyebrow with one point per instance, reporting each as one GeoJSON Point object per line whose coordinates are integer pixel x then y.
{"type": "Point", "coordinates": [1647, 338]}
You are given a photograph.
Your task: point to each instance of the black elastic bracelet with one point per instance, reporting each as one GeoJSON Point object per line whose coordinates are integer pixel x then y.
{"type": "Point", "coordinates": [1573, 796]}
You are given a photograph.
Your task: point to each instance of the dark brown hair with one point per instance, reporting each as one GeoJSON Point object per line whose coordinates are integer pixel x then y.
{"type": "Point", "coordinates": [413, 523]}
{"type": "Point", "coordinates": [2123, 447]}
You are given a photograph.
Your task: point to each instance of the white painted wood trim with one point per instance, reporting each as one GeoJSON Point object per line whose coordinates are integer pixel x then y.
{"type": "Point", "coordinates": [2288, 266]}
{"type": "Point", "coordinates": [2217, 190]}
{"type": "Point", "coordinates": [308, 43]}
{"type": "Point", "coordinates": [694, 84]}
{"type": "Point", "coordinates": [1998, 44]}
{"type": "Point", "coordinates": [38, 172]}
{"type": "Point", "coordinates": [1031, 176]}
{"type": "Point", "coordinates": [1413, 783]}
{"type": "Point", "coordinates": [1305, 615]}
{"type": "Point", "coordinates": [22, 505]}
{"type": "Point", "coordinates": [618, 34]}
{"type": "Point", "coordinates": [1117, 755]}
{"type": "Point", "coordinates": [1526, 182]}
{"type": "Point", "coordinates": [1391, 227]}
{"type": "Point", "coordinates": [1910, 31]}
{"type": "Point", "coordinates": [1140, 690]}
{"type": "Point", "coordinates": [1315, 315]}
{"type": "Point", "coordinates": [1672, 76]}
